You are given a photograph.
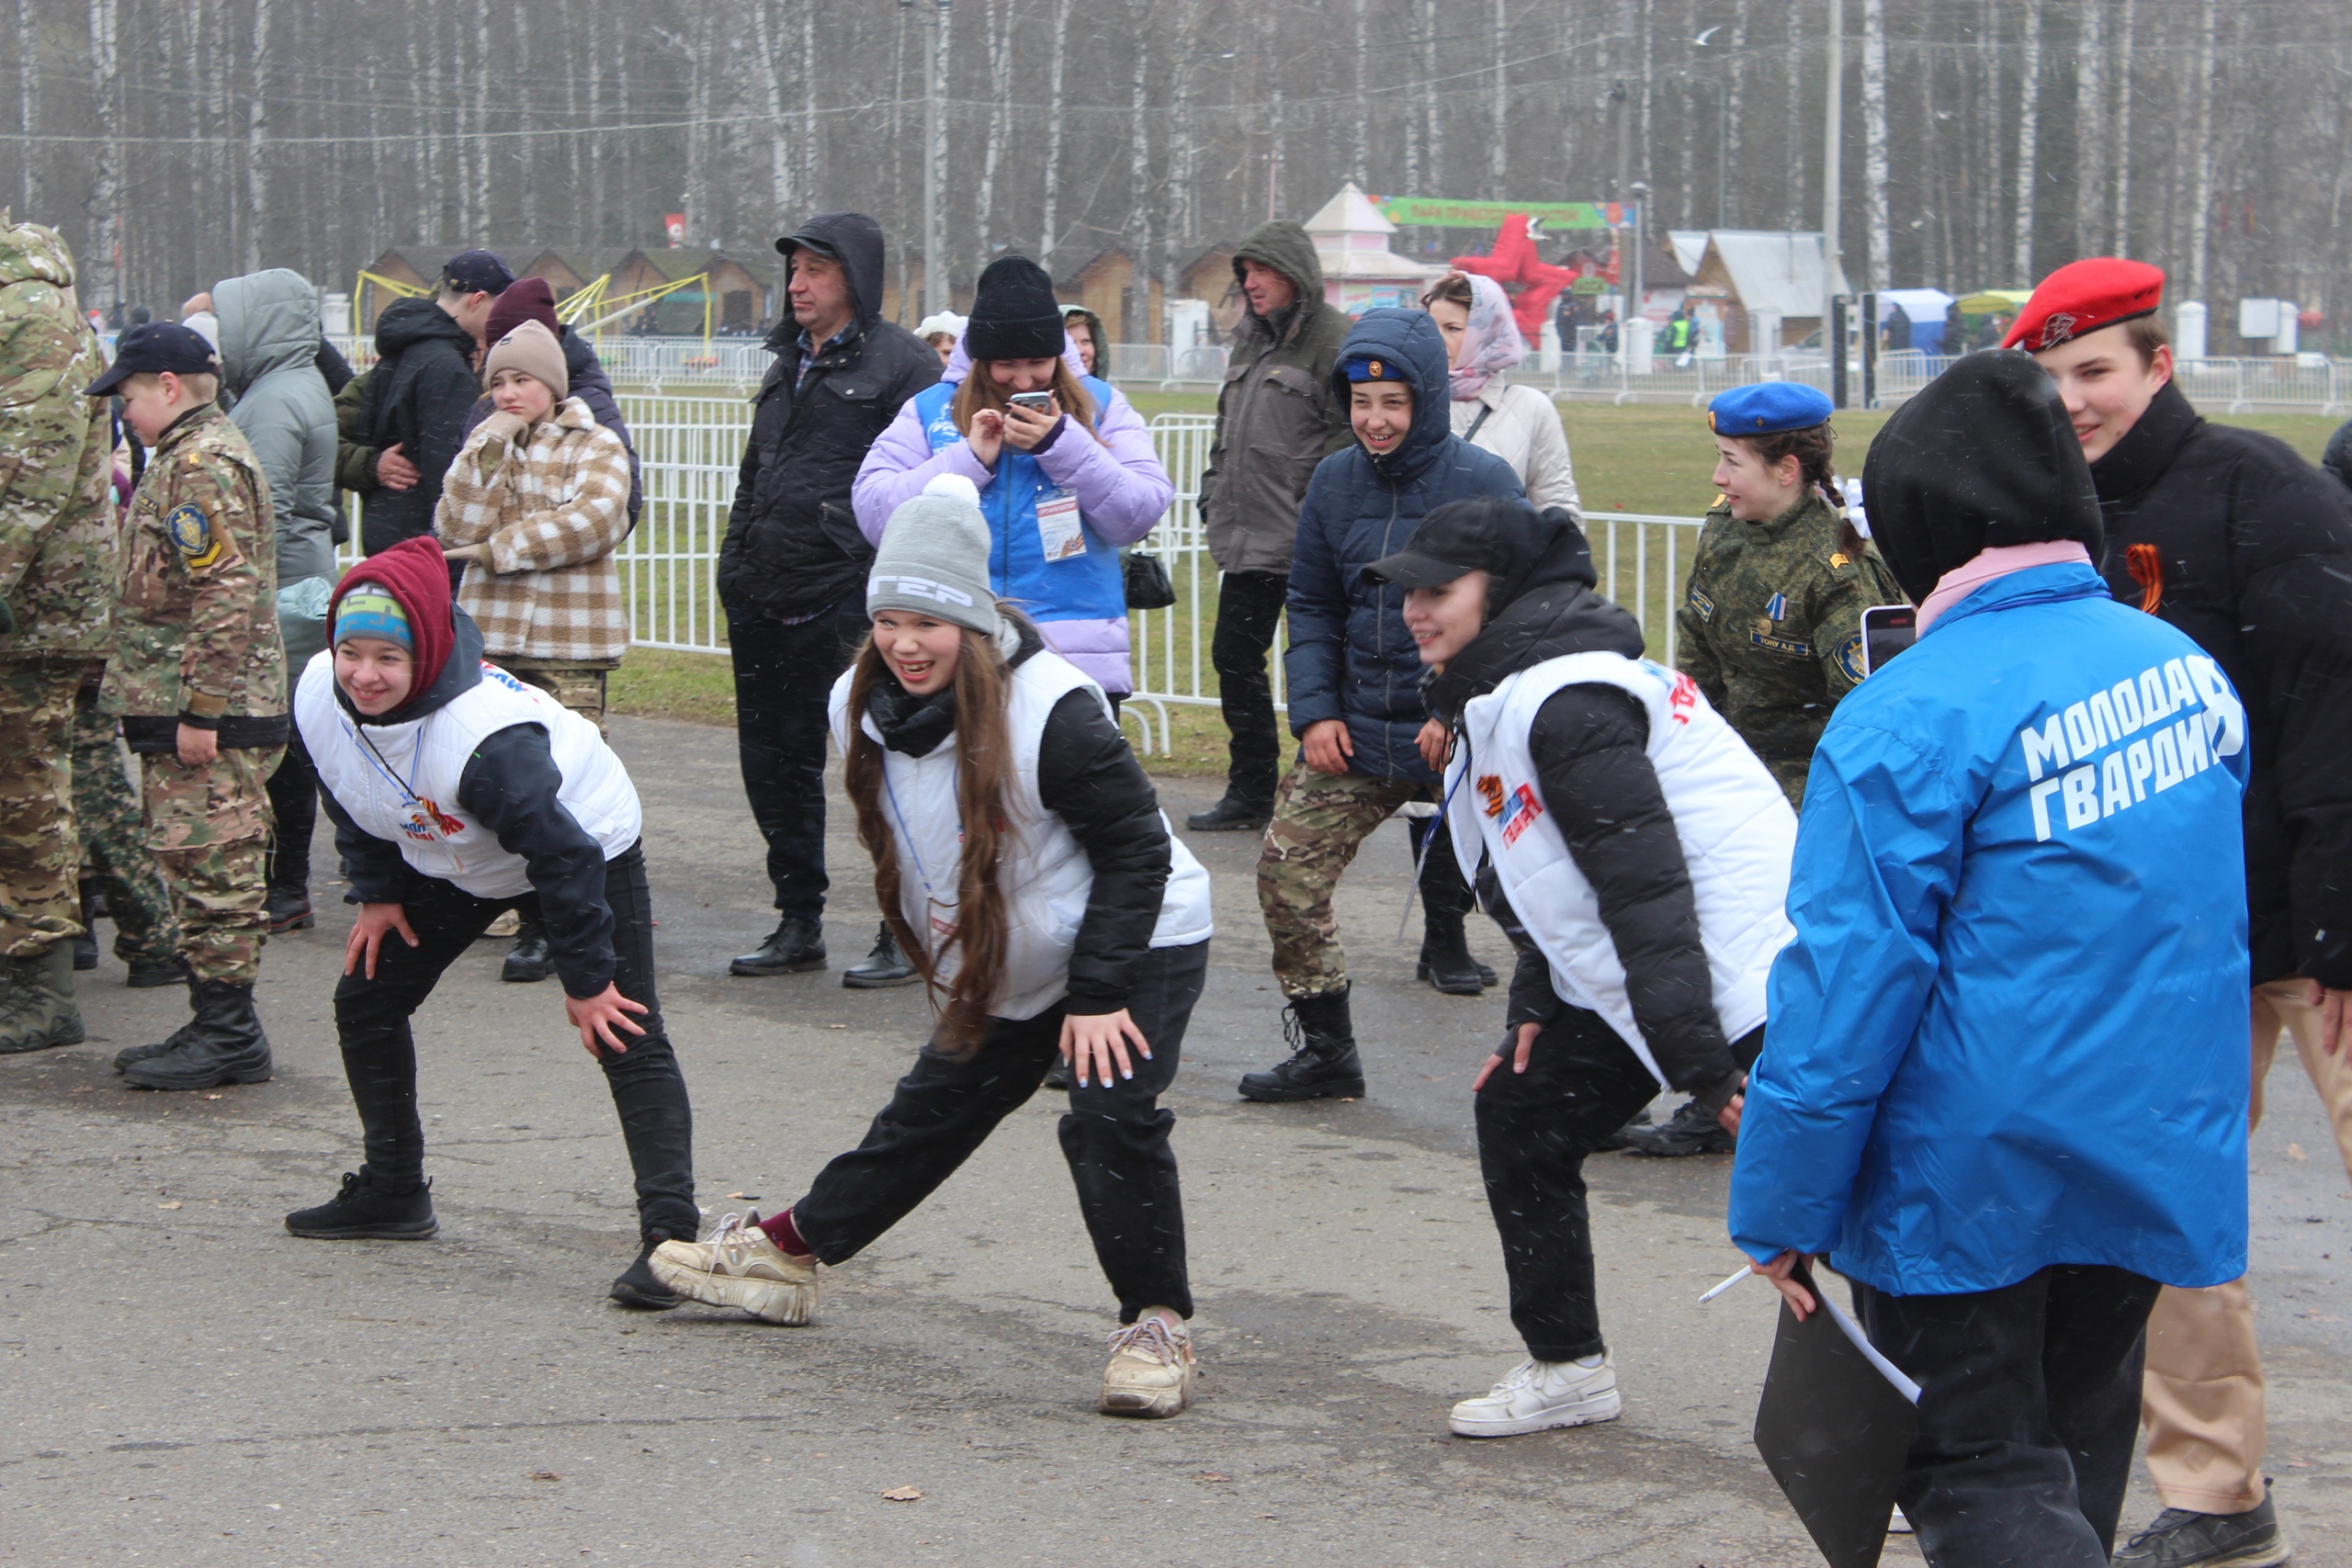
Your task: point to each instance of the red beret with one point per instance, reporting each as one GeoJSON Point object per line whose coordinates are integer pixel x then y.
{"type": "Point", "coordinates": [2082, 297]}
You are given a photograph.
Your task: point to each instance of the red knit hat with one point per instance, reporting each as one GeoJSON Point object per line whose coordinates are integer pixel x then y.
{"type": "Point", "coordinates": [415, 573]}
{"type": "Point", "coordinates": [526, 299]}
{"type": "Point", "coordinates": [2082, 297]}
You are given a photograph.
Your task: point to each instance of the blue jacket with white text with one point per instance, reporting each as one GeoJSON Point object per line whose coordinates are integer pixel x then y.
{"type": "Point", "coordinates": [2011, 1030]}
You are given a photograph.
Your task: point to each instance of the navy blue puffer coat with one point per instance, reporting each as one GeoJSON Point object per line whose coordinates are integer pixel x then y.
{"type": "Point", "coordinates": [1349, 656]}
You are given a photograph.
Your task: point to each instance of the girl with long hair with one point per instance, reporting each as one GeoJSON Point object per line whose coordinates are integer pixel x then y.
{"type": "Point", "coordinates": [1022, 863]}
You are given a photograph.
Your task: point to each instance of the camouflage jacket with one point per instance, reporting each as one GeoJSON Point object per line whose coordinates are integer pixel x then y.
{"type": "Point", "coordinates": [57, 521]}
{"type": "Point", "coordinates": [196, 619]}
{"type": "Point", "coordinates": [1770, 628]}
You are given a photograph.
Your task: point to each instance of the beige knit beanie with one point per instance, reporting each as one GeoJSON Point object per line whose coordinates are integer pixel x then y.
{"type": "Point", "coordinates": [533, 350]}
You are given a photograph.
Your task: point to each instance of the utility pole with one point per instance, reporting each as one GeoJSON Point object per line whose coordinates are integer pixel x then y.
{"type": "Point", "coordinates": [1833, 134]}
{"type": "Point", "coordinates": [934, 296]}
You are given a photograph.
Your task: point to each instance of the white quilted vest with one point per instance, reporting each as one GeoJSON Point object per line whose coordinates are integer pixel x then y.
{"type": "Point", "coordinates": [1737, 830]}
{"type": "Point", "coordinates": [399, 782]}
{"type": "Point", "coordinates": [1044, 874]}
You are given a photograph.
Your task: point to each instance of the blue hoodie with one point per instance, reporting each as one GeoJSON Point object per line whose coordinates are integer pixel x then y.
{"type": "Point", "coordinates": [2011, 1029]}
{"type": "Point", "coordinates": [1349, 656]}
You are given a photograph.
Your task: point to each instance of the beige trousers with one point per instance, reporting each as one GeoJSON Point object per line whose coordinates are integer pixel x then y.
{"type": "Point", "coordinates": [2202, 1400]}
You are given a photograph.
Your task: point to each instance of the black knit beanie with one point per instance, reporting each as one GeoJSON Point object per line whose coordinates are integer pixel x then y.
{"type": "Point", "coordinates": [1014, 314]}
{"type": "Point", "coordinates": [1984, 454]}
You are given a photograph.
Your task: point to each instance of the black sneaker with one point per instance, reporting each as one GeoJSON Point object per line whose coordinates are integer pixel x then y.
{"type": "Point", "coordinates": [2180, 1538]}
{"type": "Point", "coordinates": [528, 961]}
{"type": "Point", "coordinates": [1231, 816]}
{"type": "Point", "coordinates": [885, 966]}
{"type": "Point", "coordinates": [1689, 1131]}
{"type": "Point", "coordinates": [290, 910]}
{"type": "Point", "coordinates": [364, 1211]}
{"type": "Point", "coordinates": [638, 1287]}
{"type": "Point", "coordinates": [795, 947]}
{"type": "Point", "coordinates": [1058, 1077]}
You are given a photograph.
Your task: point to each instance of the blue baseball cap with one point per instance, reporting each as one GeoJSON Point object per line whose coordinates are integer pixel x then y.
{"type": "Point", "coordinates": [1768, 408]}
{"type": "Point", "coordinates": [151, 350]}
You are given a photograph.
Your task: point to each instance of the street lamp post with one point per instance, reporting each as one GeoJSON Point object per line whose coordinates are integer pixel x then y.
{"type": "Point", "coordinates": [933, 293]}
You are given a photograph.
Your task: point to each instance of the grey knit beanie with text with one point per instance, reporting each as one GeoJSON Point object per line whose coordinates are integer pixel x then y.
{"type": "Point", "coordinates": [933, 557]}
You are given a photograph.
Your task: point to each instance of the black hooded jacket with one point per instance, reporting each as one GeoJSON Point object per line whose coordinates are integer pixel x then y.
{"type": "Point", "coordinates": [417, 396]}
{"type": "Point", "coordinates": [510, 786]}
{"type": "Point", "coordinates": [792, 545]}
{"type": "Point", "coordinates": [1590, 746]}
{"type": "Point", "coordinates": [2231, 536]}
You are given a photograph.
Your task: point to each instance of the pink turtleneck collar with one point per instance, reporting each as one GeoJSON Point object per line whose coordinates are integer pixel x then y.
{"type": "Point", "coordinates": [1997, 561]}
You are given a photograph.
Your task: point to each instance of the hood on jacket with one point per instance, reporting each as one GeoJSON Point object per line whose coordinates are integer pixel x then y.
{"type": "Point", "coordinates": [959, 363]}
{"type": "Point", "coordinates": [852, 239]}
{"type": "Point", "coordinates": [1101, 340]}
{"type": "Point", "coordinates": [268, 320]}
{"type": "Point", "coordinates": [1280, 243]}
{"type": "Point", "coordinates": [415, 573]}
{"type": "Point", "coordinates": [1408, 340]}
{"type": "Point", "coordinates": [33, 253]}
{"type": "Point", "coordinates": [407, 323]}
{"type": "Point", "coordinates": [1981, 455]}
{"type": "Point", "coordinates": [1540, 603]}
{"type": "Point", "coordinates": [581, 366]}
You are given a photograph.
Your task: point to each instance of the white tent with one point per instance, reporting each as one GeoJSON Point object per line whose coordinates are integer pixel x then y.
{"type": "Point", "coordinates": [1688, 246]}
{"type": "Point", "coordinates": [1774, 272]}
{"type": "Point", "coordinates": [1919, 306]}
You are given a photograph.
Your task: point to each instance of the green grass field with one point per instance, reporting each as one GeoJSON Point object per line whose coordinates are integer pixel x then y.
{"type": "Point", "coordinates": [1640, 459]}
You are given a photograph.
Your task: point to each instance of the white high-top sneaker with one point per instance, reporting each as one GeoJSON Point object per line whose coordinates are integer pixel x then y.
{"type": "Point", "coordinates": [1539, 1395]}
{"type": "Point", "coordinates": [740, 1267]}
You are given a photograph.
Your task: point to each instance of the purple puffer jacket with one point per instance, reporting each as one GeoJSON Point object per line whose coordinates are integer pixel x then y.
{"type": "Point", "coordinates": [1122, 493]}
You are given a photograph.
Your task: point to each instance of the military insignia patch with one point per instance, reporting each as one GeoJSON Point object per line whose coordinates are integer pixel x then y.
{"type": "Point", "coordinates": [1776, 608]}
{"type": "Point", "coordinates": [190, 532]}
{"type": "Point", "coordinates": [1699, 603]}
{"type": "Point", "coordinates": [1849, 658]}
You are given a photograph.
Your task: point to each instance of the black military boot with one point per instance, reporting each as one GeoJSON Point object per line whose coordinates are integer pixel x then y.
{"type": "Point", "coordinates": [39, 1011]}
{"type": "Point", "coordinates": [885, 965]}
{"type": "Point", "coordinates": [795, 947]}
{"type": "Point", "coordinates": [1445, 961]}
{"type": "Point", "coordinates": [638, 1287]}
{"type": "Point", "coordinates": [1232, 814]}
{"type": "Point", "coordinates": [85, 946]}
{"type": "Point", "coordinates": [527, 961]}
{"type": "Point", "coordinates": [290, 910]}
{"type": "Point", "coordinates": [225, 1044]}
{"type": "Point", "coordinates": [152, 974]}
{"type": "Point", "coordinates": [365, 1211]}
{"type": "Point", "coordinates": [1323, 1064]}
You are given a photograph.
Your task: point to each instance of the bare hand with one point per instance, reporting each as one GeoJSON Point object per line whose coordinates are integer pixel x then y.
{"type": "Point", "coordinates": [196, 747]}
{"type": "Point", "coordinates": [1436, 742]}
{"type": "Point", "coordinates": [1728, 1117]}
{"type": "Point", "coordinates": [1092, 1042]}
{"type": "Point", "coordinates": [986, 439]}
{"type": "Point", "coordinates": [394, 471]}
{"type": "Point", "coordinates": [1527, 1033]}
{"type": "Point", "coordinates": [1800, 1300]}
{"type": "Point", "coordinates": [2335, 1018]}
{"type": "Point", "coordinates": [1025, 427]}
{"type": "Point", "coordinates": [471, 555]}
{"type": "Point", "coordinates": [599, 1015]}
{"type": "Point", "coordinates": [1327, 745]}
{"type": "Point", "coordinates": [368, 935]}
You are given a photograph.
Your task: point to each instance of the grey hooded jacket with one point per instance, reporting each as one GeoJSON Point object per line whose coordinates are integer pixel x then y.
{"type": "Point", "coordinates": [269, 346]}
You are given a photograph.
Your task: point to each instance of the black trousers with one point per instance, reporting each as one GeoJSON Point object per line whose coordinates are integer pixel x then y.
{"type": "Point", "coordinates": [1444, 893]}
{"type": "Point", "coordinates": [782, 676]}
{"type": "Point", "coordinates": [1248, 609]}
{"type": "Point", "coordinates": [2029, 1405]}
{"type": "Point", "coordinates": [294, 810]}
{"type": "Point", "coordinates": [1534, 1130]}
{"type": "Point", "coordinates": [380, 1053]}
{"type": "Point", "coordinates": [1115, 1136]}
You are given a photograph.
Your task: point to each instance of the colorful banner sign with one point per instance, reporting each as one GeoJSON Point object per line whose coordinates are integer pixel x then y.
{"type": "Point", "coordinates": [1559, 217]}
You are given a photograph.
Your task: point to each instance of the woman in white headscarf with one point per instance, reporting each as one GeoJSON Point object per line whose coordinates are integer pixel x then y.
{"type": "Point", "coordinates": [1517, 424]}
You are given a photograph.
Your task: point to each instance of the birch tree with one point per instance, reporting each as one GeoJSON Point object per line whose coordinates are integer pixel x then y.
{"type": "Point", "coordinates": [1878, 265]}
{"type": "Point", "coordinates": [2029, 139]}
{"type": "Point", "coordinates": [97, 272]}
{"type": "Point", "coordinates": [1049, 234]}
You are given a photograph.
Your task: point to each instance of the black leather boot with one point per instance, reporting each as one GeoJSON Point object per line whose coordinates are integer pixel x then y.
{"type": "Point", "coordinates": [365, 1211]}
{"type": "Point", "coordinates": [1323, 1064]}
{"type": "Point", "coordinates": [1445, 961]}
{"type": "Point", "coordinates": [527, 961]}
{"type": "Point", "coordinates": [225, 1045]}
{"type": "Point", "coordinates": [150, 973]}
{"type": "Point", "coordinates": [85, 946]}
{"type": "Point", "coordinates": [290, 910]}
{"type": "Point", "coordinates": [885, 966]}
{"type": "Point", "coordinates": [795, 947]}
{"type": "Point", "coordinates": [639, 1286]}
{"type": "Point", "coordinates": [1232, 814]}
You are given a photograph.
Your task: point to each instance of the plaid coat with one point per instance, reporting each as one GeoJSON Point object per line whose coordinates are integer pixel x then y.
{"type": "Point", "coordinates": [552, 512]}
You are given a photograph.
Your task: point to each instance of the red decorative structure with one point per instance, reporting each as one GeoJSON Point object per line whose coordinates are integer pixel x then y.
{"type": "Point", "coordinates": [1532, 284]}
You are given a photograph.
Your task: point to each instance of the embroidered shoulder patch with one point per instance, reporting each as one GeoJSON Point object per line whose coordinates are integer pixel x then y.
{"type": "Point", "coordinates": [1849, 658]}
{"type": "Point", "coordinates": [190, 532]}
{"type": "Point", "coordinates": [1700, 602]}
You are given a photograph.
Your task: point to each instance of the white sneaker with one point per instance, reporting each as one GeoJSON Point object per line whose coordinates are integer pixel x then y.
{"type": "Point", "coordinates": [741, 1267]}
{"type": "Point", "coordinates": [1151, 1369]}
{"type": "Point", "coordinates": [1539, 1395]}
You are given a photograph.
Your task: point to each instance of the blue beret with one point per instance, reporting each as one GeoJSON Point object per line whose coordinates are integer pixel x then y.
{"type": "Point", "coordinates": [1767, 408]}
{"type": "Point", "coordinates": [1375, 367]}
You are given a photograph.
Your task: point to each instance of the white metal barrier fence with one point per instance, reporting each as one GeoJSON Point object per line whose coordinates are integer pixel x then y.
{"type": "Point", "coordinates": [689, 447]}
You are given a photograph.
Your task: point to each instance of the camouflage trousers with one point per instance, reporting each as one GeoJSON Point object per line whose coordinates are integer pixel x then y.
{"type": "Point", "coordinates": [207, 828]}
{"type": "Point", "coordinates": [114, 843]}
{"type": "Point", "coordinates": [1319, 824]}
{"type": "Point", "coordinates": [39, 866]}
{"type": "Point", "coordinates": [578, 684]}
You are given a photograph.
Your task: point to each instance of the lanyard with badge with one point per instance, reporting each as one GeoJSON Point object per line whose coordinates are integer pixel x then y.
{"type": "Point", "coordinates": [1061, 534]}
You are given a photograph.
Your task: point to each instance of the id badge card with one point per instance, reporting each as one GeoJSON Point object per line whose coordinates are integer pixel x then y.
{"type": "Point", "coordinates": [1060, 533]}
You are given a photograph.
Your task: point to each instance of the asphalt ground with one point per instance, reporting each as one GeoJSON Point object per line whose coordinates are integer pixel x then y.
{"type": "Point", "coordinates": [185, 1384]}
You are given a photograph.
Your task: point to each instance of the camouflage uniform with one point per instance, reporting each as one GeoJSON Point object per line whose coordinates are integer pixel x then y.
{"type": "Point", "coordinates": [1319, 822]}
{"type": "Point", "coordinates": [114, 844]}
{"type": "Point", "coordinates": [578, 684]}
{"type": "Point", "coordinates": [57, 562]}
{"type": "Point", "coordinates": [196, 641]}
{"type": "Point", "coordinates": [1771, 628]}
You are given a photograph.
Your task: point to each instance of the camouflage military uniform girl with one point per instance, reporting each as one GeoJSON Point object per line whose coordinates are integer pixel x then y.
{"type": "Point", "coordinates": [1770, 623]}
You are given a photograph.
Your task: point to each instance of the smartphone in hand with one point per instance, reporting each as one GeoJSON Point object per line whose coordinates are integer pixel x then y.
{"type": "Point", "coordinates": [1036, 403]}
{"type": "Point", "coordinates": [1887, 630]}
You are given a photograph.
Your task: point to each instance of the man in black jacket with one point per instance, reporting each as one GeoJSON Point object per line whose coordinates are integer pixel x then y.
{"type": "Point", "coordinates": [418, 394]}
{"type": "Point", "coordinates": [2231, 538]}
{"type": "Point", "coordinates": [792, 568]}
